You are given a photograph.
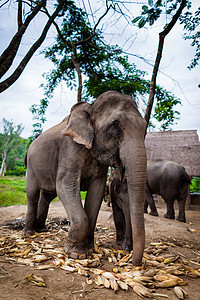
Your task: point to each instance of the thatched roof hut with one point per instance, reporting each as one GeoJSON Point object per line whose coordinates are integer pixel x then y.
{"type": "Point", "coordinates": [182, 147]}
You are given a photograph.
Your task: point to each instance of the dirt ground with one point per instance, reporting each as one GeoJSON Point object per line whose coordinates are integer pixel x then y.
{"type": "Point", "coordinates": [61, 285]}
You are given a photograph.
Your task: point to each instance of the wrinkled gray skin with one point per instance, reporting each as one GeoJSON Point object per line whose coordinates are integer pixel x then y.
{"type": "Point", "coordinates": [74, 155]}
{"type": "Point", "coordinates": [164, 178]}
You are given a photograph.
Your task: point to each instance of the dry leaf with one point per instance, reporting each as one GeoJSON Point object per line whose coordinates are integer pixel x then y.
{"type": "Point", "coordinates": [98, 280]}
{"type": "Point", "coordinates": [123, 285]}
{"type": "Point", "coordinates": [106, 282]}
{"type": "Point", "coordinates": [36, 280]}
{"type": "Point", "coordinates": [180, 293]}
{"type": "Point", "coordinates": [114, 284]}
{"type": "Point", "coordinates": [142, 291]}
{"type": "Point", "coordinates": [168, 283]}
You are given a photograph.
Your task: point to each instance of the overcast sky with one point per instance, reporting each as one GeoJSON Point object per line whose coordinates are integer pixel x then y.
{"type": "Point", "coordinates": [174, 76]}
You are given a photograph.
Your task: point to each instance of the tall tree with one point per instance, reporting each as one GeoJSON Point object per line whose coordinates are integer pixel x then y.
{"type": "Point", "coordinates": [104, 67]}
{"type": "Point", "coordinates": [9, 140]}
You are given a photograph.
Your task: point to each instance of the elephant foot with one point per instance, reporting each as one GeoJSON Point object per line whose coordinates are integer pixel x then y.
{"type": "Point", "coordinates": [154, 213]}
{"type": "Point", "coordinates": [42, 229]}
{"type": "Point", "coordinates": [127, 246]}
{"type": "Point", "coordinates": [181, 219]}
{"type": "Point", "coordinates": [169, 216]}
{"type": "Point", "coordinates": [76, 250]}
{"type": "Point", "coordinates": [28, 232]}
{"type": "Point", "coordinates": [119, 243]}
{"type": "Point", "coordinates": [124, 244]}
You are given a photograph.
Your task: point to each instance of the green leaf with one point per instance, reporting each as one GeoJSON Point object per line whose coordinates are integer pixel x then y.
{"type": "Point", "coordinates": [158, 3]}
{"type": "Point", "coordinates": [136, 19]}
{"type": "Point", "coordinates": [145, 8]}
{"type": "Point", "coordinates": [150, 2]}
{"type": "Point", "coordinates": [142, 22]}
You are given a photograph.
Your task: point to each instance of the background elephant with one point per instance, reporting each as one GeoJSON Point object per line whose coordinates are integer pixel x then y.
{"type": "Point", "coordinates": [169, 180]}
{"type": "Point", "coordinates": [164, 178]}
{"type": "Point", "coordinates": [75, 154]}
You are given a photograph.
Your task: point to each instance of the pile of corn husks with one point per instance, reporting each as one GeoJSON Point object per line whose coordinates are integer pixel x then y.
{"type": "Point", "coordinates": [160, 268]}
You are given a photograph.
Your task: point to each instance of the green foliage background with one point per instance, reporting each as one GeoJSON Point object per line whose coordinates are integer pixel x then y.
{"type": "Point", "coordinates": [195, 186]}
{"type": "Point", "coordinates": [15, 156]}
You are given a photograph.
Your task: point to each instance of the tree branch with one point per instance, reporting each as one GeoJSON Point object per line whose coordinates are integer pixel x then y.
{"type": "Point", "coordinates": [10, 80]}
{"type": "Point", "coordinates": [4, 3]}
{"type": "Point", "coordinates": [74, 45]}
{"type": "Point", "coordinates": [78, 70]}
{"type": "Point", "coordinates": [88, 38]}
{"type": "Point", "coordinates": [10, 52]}
{"type": "Point", "coordinates": [19, 14]}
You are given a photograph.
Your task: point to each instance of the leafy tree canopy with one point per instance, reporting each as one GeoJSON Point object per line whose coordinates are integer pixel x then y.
{"type": "Point", "coordinates": [104, 68]}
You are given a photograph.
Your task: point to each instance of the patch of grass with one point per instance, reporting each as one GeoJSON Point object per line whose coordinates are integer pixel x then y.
{"type": "Point", "coordinates": [12, 191]}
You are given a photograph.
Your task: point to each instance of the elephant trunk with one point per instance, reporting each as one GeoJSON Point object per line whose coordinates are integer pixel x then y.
{"type": "Point", "coordinates": [133, 155]}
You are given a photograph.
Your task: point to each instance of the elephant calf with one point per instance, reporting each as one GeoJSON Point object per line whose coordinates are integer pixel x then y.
{"type": "Point", "coordinates": [164, 178]}
{"type": "Point", "coordinates": [120, 206]}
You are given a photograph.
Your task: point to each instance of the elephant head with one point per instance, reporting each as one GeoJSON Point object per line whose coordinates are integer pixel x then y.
{"type": "Point", "coordinates": [113, 129]}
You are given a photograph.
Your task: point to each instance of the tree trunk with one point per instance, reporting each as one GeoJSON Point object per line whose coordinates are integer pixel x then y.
{"type": "Point", "coordinates": [162, 36]}
{"type": "Point", "coordinates": [3, 162]}
{"type": "Point", "coordinates": [78, 70]}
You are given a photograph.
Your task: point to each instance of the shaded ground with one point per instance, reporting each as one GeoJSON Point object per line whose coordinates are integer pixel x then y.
{"type": "Point", "coordinates": [61, 284]}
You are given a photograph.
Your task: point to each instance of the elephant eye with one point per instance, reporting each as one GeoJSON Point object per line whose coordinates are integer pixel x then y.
{"type": "Point", "coordinates": [114, 129]}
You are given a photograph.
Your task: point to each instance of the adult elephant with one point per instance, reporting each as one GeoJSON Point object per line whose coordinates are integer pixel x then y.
{"type": "Point", "coordinates": [169, 180]}
{"type": "Point", "coordinates": [75, 154]}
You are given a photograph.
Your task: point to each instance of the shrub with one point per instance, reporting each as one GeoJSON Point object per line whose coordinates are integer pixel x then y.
{"type": "Point", "coordinates": [195, 186]}
{"type": "Point", "coordinates": [19, 171]}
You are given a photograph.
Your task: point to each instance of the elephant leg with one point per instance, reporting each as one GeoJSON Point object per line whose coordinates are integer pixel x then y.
{"type": "Point", "coordinates": [127, 244]}
{"type": "Point", "coordinates": [42, 210]}
{"type": "Point", "coordinates": [149, 200]}
{"type": "Point", "coordinates": [33, 194]}
{"type": "Point", "coordinates": [109, 201]}
{"type": "Point", "coordinates": [181, 216]}
{"type": "Point", "coordinates": [170, 209]}
{"type": "Point", "coordinates": [145, 206]}
{"type": "Point", "coordinates": [181, 203]}
{"type": "Point", "coordinates": [119, 221]}
{"type": "Point", "coordinates": [93, 202]}
{"type": "Point", "coordinates": [68, 190]}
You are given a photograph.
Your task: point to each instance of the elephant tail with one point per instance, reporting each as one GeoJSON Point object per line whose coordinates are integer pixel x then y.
{"type": "Point", "coordinates": [25, 159]}
{"type": "Point", "coordinates": [185, 177]}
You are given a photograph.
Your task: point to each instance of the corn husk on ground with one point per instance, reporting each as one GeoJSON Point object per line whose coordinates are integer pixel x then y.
{"type": "Point", "coordinates": [161, 268]}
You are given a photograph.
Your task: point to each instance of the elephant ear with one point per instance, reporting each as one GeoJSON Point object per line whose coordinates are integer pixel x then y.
{"type": "Point", "coordinates": [79, 126]}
